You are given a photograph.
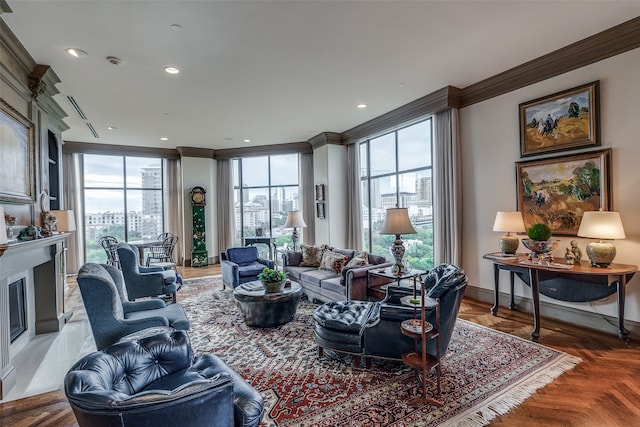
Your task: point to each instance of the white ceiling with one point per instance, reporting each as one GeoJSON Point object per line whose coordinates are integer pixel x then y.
{"type": "Point", "coordinates": [279, 71]}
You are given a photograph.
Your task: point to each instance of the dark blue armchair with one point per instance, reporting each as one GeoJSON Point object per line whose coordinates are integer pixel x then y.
{"type": "Point", "coordinates": [242, 264]}
{"type": "Point", "coordinates": [144, 281]}
{"type": "Point", "coordinates": [111, 316]}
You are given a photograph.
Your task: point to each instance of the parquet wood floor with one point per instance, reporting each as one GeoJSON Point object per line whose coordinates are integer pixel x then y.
{"type": "Point", "coordinates": [602, 391]}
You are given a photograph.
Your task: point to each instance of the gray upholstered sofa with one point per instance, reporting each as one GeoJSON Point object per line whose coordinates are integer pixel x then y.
{"type": "Point", "coordinates": [323, 284]}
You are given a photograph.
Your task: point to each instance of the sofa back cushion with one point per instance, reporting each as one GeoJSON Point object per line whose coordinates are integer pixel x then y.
{"type": "Point", "coordinates": [376, 259]}
{"type": "Point", "coordinates": [243, 255]}
{"type": "Point", "coordinates": [311, 255]}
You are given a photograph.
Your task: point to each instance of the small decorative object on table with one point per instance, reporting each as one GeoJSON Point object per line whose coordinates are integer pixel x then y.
{"type": "Point", "coordinates": [569, 257]}
{"type": "Point", "coordinates": [577, 252]}
{"type": "Point", "coordinates": [272, 280]}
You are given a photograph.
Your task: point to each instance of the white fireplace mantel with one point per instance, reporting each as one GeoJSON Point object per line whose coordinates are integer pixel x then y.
{"type": "Point", "coordinates": [40, 260]}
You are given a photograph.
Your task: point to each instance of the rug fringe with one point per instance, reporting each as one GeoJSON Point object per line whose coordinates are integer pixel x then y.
{"type": "Point", "coordinates": [514, 396]}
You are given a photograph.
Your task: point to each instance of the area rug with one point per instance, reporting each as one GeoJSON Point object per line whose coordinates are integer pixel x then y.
{"type": "Point", "coordinates": [485, 373]}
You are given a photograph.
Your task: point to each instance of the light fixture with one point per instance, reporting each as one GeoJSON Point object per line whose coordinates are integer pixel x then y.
{"type": "Point", "coordinates": [111, 128]}
{"type": "Point", "coordinates": [397, 222]}
{"type": "Point", "coordinates": [361, 106]}
{"type": "Point", "coordinates": [171, 70]}
{"type": "Point", "coordinates": [509, 222]}
{"type": "Point", "coordinates": [601, 225]}
{"type": "Point", "coordinates": [66, 220]}
{"type": "Point", "coordinates": [76, 53]}
{"type": "Point", "coordinates": [295, 221]}
{"type": "Point", "coordinates": [164, 138]}
{"type": "Point", "coordinates": [247, 140]}
{"type": "Point", "coordinates": [3, 229]}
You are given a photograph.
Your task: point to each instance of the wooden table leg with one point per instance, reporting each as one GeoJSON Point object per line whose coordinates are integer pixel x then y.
{"type": "Point", "coordinates": [512, 302]}
{"type": "Point", "coordinates": [622, 289]}
{"type": "Point", "coordinates": [535, 290]}
{"type": "Point", "coordinates": [496, 289]}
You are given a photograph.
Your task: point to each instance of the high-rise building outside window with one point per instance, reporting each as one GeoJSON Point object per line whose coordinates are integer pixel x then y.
{"type": "Point", "coordinates": [396, 171]}
{"type": "Point", "coordinates": [123, 198]}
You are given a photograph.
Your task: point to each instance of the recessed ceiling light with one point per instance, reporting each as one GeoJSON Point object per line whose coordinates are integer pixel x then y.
{"type": "Point", "coordinates": [176, 27]}
{"type": "Point", "coordinates": [400, 84]}
{"type": "Point", "coordinates": [76, 53]}
{"type": "Point", "coordinates": [164, 138]}
{"type": "Point", "coordinates": [361, 106]}
{"type": "Point", "coordinates": [228, 138]}
{"type": "Point", "coordinates": [112, 127]}
{"type": "Point", "coordinates": [171, 70]}
{"type": "Point", "coordinates": [247, 140]}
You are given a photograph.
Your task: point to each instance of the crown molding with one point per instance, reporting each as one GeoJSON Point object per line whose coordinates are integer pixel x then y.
{"type": "Point", "coordinates": [118, 150]}
{"type": "Point", "coordinates": [206, 153]}
{"type": "Point", "coordinates": [325, 138]}
{"type": "Point", "coordinates": [264, 150]}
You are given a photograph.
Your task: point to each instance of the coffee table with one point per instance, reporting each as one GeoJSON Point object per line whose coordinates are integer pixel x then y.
{"type": "Point", "coordinates": [266, 309]}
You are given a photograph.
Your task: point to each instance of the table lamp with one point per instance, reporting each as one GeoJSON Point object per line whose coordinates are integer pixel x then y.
{"type": "Point", "coordinates": [601, 225]}
{"type": "Point", "coordinates": [295, 221]}
{"type": "Point", "coordinates": [397, 222]}
{"type": "Point", "coordinates": [66, 221]}
{"type": "Point", "coordinates": [509, 222]}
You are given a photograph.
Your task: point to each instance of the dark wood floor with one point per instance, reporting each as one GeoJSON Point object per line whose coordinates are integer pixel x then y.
{"type": "Point", "coordinates": [603, 390]}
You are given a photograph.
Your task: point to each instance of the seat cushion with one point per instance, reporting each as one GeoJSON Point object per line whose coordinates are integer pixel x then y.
{"type": "Point", "coordinates": [315, 276]}
{"type": "Point", "coordinates": [295, 272]}
{"type": "Point", "coordinates": [250, 270]}
{"type": "Point", "coordinates": [343, 315]}
{"type": "Point", "coordinates": [334, 285]}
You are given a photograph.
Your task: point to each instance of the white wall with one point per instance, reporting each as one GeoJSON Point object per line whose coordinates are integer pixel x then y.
{"type": "Point", "coordinates": [490, 148]}
{"type": "Point", "coordinates": [330, 168]}
{"type": "Point", "coordinates": [202, 172]}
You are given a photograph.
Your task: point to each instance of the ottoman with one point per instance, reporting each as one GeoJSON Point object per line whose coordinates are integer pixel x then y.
{"type": "Point", "coordinates": [339, 326]}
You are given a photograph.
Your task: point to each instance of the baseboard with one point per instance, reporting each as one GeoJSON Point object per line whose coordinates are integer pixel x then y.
{"type": "Point", "coordinates": [592, 320]}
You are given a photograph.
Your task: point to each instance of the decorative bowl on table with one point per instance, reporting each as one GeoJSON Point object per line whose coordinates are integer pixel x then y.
{"type": "Point", "coordinates": [540, 246]}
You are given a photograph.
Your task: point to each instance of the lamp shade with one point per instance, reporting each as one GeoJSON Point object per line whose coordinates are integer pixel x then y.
{"type": "Point", "coordinates": [397, 222]}
{"type": "Point", "coordinates": [3, 228]}
{"type": "Point", "coordinates": [601, 225]}
{"type": "Point", "coordinates": [506, 222]}
{"type": "Point", "coordinates": [66, 220]}
{"type": "Point", "coordinates": [294, 220]}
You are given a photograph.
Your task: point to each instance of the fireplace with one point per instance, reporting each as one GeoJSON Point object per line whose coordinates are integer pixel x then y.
{"type": "Point", "coordinates": [17, 309]}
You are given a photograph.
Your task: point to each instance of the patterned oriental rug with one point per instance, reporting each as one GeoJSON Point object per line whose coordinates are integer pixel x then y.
{"type": "Point", "coordinates": [485, 373]}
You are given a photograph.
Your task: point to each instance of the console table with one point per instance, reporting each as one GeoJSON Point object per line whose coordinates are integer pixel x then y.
{"type": "Point", "coordinates": [533, 275]}
{"type": "Point", "coordinates": [249, 241]}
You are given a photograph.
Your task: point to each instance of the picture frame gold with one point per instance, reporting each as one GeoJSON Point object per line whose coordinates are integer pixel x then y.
{"type": "Point", "coordinates": [17, 156]}
{"type": "Point", "coordinates": [558, 190]}
{"type": "Point", "coordinates": [562, 121]}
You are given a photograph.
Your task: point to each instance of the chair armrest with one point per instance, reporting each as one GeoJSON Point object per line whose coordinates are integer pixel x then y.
{"type": "Point", "coordinates": [355, 280]}
{"type": "Point", "coordinates": [230, 272]}
{"type": "Point", "coordinates": [266, 262]}
{"type": "Point", "coordinates": [151, 304]}
{"type": "Point", "coordinates": [150, 269]}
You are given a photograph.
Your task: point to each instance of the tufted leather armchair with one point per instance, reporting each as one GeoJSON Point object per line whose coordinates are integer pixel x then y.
{"type": "Point", "coordinates": [144, 281]}
{"type": "Point", "coordinates": [156, 380]}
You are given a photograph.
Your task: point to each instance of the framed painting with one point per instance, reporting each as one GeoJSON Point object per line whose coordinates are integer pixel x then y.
{"type": "Point", "coordinates": [557, 191]}
{"type": "Point", "coordinates": [320, 210]}
{"type": "Point", "coordinates": [563, 121]}
{"type": "Point", "coordinates": [17, 182]}
{"type": "Point", "coordinates": [320, 192]}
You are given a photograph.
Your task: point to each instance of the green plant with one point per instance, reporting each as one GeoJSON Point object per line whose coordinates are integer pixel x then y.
{"type": "Point", "coordinates": [539, 232]}
{"type": "Point", "coordinates": [271, 275]}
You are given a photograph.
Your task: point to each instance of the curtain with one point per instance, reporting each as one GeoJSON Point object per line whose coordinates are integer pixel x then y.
{"type": "Point", "coordinates": [72, 200]}
{"type": "Point", "coordinates": [354, 236]}
{"type": "Point", "coordinates": [225, 209]}
{"type": "Point", "coordinates": [447, 182]}
{"type": "Point", "coordinates": [174, 203]}
{"type": "Point", "coordinates": [307, 203]}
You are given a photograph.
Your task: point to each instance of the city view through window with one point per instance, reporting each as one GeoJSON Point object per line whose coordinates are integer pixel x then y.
{"type": "Point", "coordinates": [396, 171]}
{"type": "Point", "coordinates": [123, 199]}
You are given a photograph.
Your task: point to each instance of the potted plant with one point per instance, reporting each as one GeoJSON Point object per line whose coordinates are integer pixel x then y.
{"type": "Point", "coordinates": [539, 239]}
{"type": "Point", "coordinates": [272, 280]}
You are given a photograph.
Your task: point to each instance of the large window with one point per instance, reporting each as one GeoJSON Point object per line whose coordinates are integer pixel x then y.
{"type": "Point", "coordinates": [396, 171]}
{"type": "Point", "coordinates": [266, 188]}
{"type": "Point", "coordinates": [123, 199]}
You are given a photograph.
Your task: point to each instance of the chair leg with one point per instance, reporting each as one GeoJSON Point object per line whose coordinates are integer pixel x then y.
{"type": "Point", "coordinates": [173, 297]}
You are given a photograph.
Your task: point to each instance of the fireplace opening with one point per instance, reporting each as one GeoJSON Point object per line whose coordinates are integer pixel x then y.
{"type": "Point", "coordinates": [17, 309]}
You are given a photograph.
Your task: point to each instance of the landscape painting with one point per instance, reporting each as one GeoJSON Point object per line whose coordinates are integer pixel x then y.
{"type": "Point", "coordinates": [562, 121]}
{"type": "Point", "coordinates": [16, 156]}
{"type": "Point", "coordinates": [557, 191]}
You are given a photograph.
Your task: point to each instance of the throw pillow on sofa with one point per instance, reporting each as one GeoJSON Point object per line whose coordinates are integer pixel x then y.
{"type": "Point", "coordinates": [311, 255]}
{"type": "Point", "coordinates": [332, 261]}
{"type": "Point", "coordinates": [359, 259]}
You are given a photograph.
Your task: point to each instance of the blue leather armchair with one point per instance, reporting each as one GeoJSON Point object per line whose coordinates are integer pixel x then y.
{"type": "Point", "coordinates": [242, 264]}
{"type": "Point", "coordinates": [111, 316]}
{"type": "Point", "coordinates": [144, 281]}
{"type": "Point", "coordinates": [156, 380]}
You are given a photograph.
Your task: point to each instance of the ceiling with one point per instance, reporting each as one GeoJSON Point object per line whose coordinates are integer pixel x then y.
{"type": "Point", "coordinates": [277, 72]}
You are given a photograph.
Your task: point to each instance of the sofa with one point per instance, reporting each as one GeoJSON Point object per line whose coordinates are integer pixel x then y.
{"type": "Point", "coordinates": [327, 273]}
{"type": "Point", "coordinates": [155, 379]}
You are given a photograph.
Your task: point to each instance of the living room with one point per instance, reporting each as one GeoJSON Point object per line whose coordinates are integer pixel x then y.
{"type": "Point", "coordinates": [488, 135]}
